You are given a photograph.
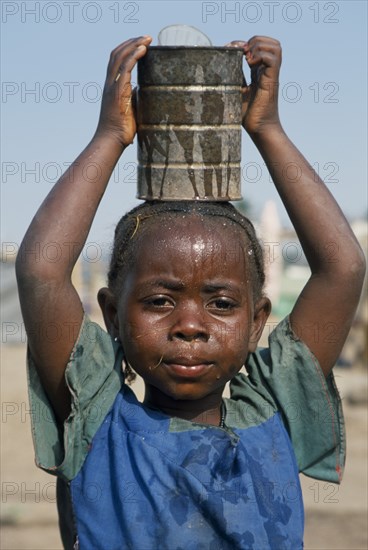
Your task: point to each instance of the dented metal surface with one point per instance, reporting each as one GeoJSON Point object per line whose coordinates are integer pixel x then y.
{"type": "Point", "coordinates": [189, 123]}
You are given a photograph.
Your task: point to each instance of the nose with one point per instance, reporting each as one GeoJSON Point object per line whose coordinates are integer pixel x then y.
{"type": "Point", "coordinates": [190, 325]}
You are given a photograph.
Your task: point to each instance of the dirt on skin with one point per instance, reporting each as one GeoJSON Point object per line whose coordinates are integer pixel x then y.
{"type": "Point", "coordinates": [336, 516]}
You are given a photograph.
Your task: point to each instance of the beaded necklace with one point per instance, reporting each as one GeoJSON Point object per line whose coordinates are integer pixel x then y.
{"type": "Point", "coordinates": [223, 413]}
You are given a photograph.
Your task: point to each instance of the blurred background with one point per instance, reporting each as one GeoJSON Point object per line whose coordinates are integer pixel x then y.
{"type": "Point", "coordinates": [54, 58]}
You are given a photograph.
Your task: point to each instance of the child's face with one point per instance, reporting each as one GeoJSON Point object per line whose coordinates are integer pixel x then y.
{"type": "Point", "coordinates": [186, 316]}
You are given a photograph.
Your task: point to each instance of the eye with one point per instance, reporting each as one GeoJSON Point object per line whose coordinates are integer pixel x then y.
{"type": "Point", "coordinates": [221, 305]}
{"type": "Point", "coordinates": [159, 302]}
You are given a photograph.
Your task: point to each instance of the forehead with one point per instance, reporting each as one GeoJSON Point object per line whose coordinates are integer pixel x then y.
{"type": "Point", "coordinates": [202, 243]}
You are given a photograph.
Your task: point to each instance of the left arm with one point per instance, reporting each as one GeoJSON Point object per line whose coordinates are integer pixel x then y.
{"type": "Point", "coordinates": [324, 311]}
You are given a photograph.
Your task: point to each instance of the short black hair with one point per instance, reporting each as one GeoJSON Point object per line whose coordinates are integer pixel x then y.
{"type": "Point", "coordinates": [129, 225]}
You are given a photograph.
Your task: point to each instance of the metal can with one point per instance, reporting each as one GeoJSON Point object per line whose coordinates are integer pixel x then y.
{"type": "Point", "coordinates": [189, 123]}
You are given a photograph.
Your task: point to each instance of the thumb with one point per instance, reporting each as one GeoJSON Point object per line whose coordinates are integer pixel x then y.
{"type": "Point", "coordinates": [246, 92]}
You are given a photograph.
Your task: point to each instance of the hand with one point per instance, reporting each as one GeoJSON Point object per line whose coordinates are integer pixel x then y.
{"type": "Point", "coordinates": [260, 97]}
{"type": "Point", "coordinates": [117, 118]}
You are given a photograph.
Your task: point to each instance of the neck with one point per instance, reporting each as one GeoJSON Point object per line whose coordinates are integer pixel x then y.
{"type": "Point", "coordinates": [204, 411]}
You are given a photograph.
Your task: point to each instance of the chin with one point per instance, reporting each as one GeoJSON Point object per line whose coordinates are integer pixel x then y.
{"type": "Point", "coordinates": [189, 393]}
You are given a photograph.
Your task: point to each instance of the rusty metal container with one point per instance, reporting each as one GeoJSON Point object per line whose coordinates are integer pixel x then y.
{"type": "Point", "coordinates": [189, 123]}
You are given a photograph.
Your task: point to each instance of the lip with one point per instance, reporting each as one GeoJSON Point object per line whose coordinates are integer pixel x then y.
{"type": "Point", "coordinates": [188, 369]}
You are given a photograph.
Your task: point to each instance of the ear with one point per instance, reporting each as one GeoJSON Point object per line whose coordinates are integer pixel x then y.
{"type": "Point", "coordinates": [262, 310]}
{"type": "Point", "coordinates": [107, 302]}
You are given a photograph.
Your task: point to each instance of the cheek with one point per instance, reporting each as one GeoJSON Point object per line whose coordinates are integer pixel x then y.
{"type": "Point", "coordinates": [235, 334]}
{"type": "Point", "coordinates": [140, 336]}
{"type": "Point", "coordinates": [235, 340]}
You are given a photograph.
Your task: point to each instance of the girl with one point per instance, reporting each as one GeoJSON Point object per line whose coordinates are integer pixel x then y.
{"type": "Point", "coordinates": [184, 308]}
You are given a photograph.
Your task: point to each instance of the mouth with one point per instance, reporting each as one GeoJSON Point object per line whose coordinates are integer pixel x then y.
{"type": "Point", "coordinates": [188, 369]}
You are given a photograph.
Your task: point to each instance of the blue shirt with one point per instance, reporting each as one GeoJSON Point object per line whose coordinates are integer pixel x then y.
{"type": "Point", "coordinates": [139, 479]}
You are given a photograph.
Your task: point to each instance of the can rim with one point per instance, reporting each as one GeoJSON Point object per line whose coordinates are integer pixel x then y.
{"type": "Point", "coordinates": [220, 48]}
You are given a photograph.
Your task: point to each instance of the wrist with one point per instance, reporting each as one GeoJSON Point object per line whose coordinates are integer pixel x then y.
{"type": "Point", "coordinates": [111, 140]}
{"type": "Point", "coordinates": [267, 133]}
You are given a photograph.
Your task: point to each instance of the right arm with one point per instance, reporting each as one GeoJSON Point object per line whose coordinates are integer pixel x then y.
{"type": "Point", "coordinates": [51, 308]}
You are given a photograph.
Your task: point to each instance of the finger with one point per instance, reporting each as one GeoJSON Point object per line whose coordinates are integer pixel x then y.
{"type": "Point", "coordinates": [134, 99]}
{"type": "Point", "coordinates": [241, 44]}
{"type": "Point", "coordinates": [131, 42]}
{"type": "Point", "coordinates": [259, 49]}
{"type": "Point", "coordinates": [264, 40]}
{"type": "Point", "coordinates": [268, 59]}
{"type": "Point", "coordinates": [123, 76]}
{"type": "Point", "coordinates": [127, 64]}
{"type": "Point", "coordinates": [113, 55]}
{"type": "Point", "coordinates": [247, 93]}
{"type": "Point", "coordinates": [262, 47]}
{"type": "Point", "coordinates": [236, 44]}
{"type": "Point", "coordinates": [127, 58]}
{"type": "Point", "coordinates": [126, 55]}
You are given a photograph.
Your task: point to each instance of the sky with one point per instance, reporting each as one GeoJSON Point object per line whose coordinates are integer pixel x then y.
{"type": "Point", "coordinates": [54, 56]}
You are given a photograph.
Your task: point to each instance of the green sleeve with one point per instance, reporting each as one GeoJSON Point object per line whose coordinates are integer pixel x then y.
{"type": "Point", "coordinates": [289, 375]}
{"type": "Point", "coordinates": [94, 378]}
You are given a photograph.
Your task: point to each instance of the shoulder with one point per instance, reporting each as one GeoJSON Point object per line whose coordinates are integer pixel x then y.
{"type": "Point", "coordinates": [287, 378]}
{"type": "Point", "coordinates": [94, 378]}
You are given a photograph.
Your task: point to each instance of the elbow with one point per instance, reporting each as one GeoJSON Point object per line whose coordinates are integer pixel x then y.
{"type": "Point", "coordinates": [27, 265]}
{"type": "Point", "coordinates": [348, 260]}
{"type": "Point", "coordinates": [354, 270]}
{"type": "Point", "coordinates": [359, 264]}
{"type": "Point", "coordinates": [346, 270]}
{"type": "Point", "coordinates": [21, 269]}
{"type": "Point", "coordinates": [27, 275]}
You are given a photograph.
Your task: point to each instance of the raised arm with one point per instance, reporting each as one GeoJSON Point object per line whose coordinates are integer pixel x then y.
{"type": "Point", "coordinates": [323, 313]}
{"type": "Point", "coordinates": [51, 308]}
